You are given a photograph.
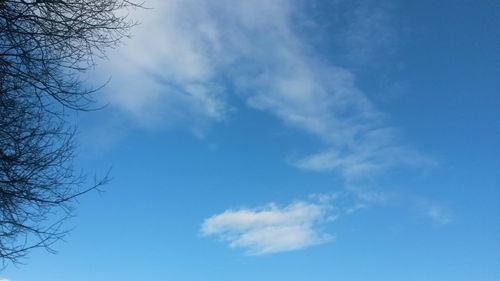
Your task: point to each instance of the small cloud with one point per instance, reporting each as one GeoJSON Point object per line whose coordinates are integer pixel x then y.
{"type": "Point", "coordinates": [271, 229]}
{"type": "Point", "coordinates": [4, 279]}
{"type": "Point", "coordinates": [437, 213]}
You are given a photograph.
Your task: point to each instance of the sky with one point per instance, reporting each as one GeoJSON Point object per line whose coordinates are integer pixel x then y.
{"type": "Point", "coordinates": [292, 140]}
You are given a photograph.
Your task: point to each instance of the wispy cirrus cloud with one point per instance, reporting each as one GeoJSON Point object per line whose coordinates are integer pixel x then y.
{"type": "Point", "coordinates": [438, 213]}
{"type": "Point", "coordinates": [188, 56]}
{"type": "Point", "coordinates": [271, 228]}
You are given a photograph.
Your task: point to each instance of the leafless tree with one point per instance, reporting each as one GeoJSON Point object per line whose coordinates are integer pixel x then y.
{"type": "Point", "coordinates": [45, 46]}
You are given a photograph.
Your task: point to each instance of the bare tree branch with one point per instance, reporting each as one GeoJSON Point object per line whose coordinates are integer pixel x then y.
{"type": "Point", "coordinates": [45, 46]}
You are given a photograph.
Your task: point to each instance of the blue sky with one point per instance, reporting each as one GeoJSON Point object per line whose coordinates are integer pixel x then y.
{"type": "Point", "coordinates": [292, 140]}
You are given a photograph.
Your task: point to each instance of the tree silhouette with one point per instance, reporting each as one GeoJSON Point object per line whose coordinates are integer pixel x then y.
{"type": "Point", "coordinates": [45, 46]}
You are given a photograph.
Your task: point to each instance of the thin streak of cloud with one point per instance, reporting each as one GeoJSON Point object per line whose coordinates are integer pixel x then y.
{"type": "Point", "coordinates": [368, 30]}
{"type": "Point", "coordinates": [437, 213]}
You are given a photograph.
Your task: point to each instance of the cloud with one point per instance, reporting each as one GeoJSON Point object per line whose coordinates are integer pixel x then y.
{"type": "Point", "coordinates": [438, 213]}
{"type": "Point", "coordinates": [368, 32]}
{"type": "Point", "coordinates": [165, 74]}
{"type": "Point", "coordinates": [187, 57]}
{"type": "Point", "coordinates": [4, 279]}
{"type": "Point", "coordinates": [367, 157]}
{"type": "Point", "coordinates": [271, 229]}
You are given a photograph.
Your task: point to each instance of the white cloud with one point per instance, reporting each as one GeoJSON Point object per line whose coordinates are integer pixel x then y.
{"type": "Point", "coordinates": [364, 158]}
{"type": "Point", "coordinates": [165, 73]}
{"type": "Point", "coordinates": [4, 279]}
{"type": "Point", "coordinates": [188, 55]}
{"type": "Point", "coordinates": [271, 229]}
{"type": "Point", "coordinates": [438, 213]}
